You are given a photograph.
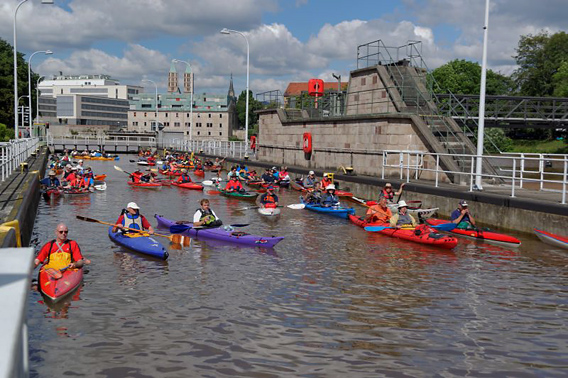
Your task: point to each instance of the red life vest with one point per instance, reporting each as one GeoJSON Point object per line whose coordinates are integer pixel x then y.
{"type": "Point", "coordinates": [387, 195]}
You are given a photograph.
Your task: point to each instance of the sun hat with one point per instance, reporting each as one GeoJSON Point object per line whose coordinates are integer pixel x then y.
{"type": "Point", "coordinates": [402, 204]}
{"type": "Point", "coordinates": [132, 205]}
{"type": "Point", "coordinates": [312, 173]}
{"type": "Point", "coordinates": [330, 187]}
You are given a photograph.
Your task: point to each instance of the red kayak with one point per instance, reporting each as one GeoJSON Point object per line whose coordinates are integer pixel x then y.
{"type": "Point", "coordinates": [199, 172]}
{"type": "Point", "coordinates": [487, 236]}
{"type": "Point", "coordinates": [552, 239]}
{"type": "Point", "coordinates": [100, 177]}
{"type": "Point", "coordinates": [421, 234]}
{"type": "Point", "coordinates": [170, 173]}
{"type": "Point", "coordinates": [55, 289]}
{"type": "Point", "coordinates": [147, 185]}
{"type": "Point", "coordinates": [188, 185]}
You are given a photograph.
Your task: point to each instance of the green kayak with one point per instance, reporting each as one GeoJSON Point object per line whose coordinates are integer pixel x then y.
{"type": "Point", "coordinates": [245, 195]}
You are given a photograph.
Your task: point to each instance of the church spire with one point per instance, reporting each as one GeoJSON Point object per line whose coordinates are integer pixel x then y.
{"type": "Point", "coordinates": [231, 93]}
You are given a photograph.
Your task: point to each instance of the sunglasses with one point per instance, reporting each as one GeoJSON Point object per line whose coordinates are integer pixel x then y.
{"type": "Point", "coordinates": [63, 232]}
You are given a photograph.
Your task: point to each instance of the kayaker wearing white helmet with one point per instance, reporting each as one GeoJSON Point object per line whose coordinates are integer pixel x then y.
{"type": "Point", "coordinates": [131, 218]}
{"type": "Point", "coordinates": [402, 219]}
{"type": "Point", "coordinates": [330, 198]}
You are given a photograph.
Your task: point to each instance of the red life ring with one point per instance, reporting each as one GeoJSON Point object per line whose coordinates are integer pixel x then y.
{"type": "Point", "coordinates": [307, 143]}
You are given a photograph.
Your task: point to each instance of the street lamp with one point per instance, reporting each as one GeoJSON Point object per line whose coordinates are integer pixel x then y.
{"type": "Point", "coordinates": [16, 66]}
{"type": "Point", "coordinates": [46, 52]}
{"type": "Point", "coordinates": [229, 31]}
{"type": "Point", "coordinates": [191, 100]}
{"type": "Point", "coordinates": [37, 99]}
{"type": "Point", "coordinates": [156, 98]}
{"type": "Point", "coordinates": [481, 126]}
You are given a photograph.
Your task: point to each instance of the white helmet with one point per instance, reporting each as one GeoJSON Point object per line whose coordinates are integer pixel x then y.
{"type": "Point", "coordinates": [133, 205]}
{"type": "Point", "coordinates": [330, 187]}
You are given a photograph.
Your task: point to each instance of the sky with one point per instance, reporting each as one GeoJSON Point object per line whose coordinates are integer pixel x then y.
{"type": "Point", "coordinates": [290, 40]}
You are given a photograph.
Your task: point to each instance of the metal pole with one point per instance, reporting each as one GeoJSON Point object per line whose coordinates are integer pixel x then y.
{"type": "Point", "coordinates": [47, 52]}
{"type": "Point", "coordinates": [16, 73]}
{"type": "Point", "coordinates": [37, 98]}
{"type": "Point", "coordinates": [481, 126]}
{"type": "Point", "coordinates": [564, 182]}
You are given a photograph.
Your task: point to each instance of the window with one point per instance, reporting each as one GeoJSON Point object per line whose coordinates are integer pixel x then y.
{"type": "Point", "coordinates": [375, 79]}
{"type": "Point", "coordinates": [220, 133]}
{"type": "Point", "coordinates": [145, 114]}
{"type": "Point", "coordinates": [166, 114]}
{"type": "Point", "coordinates": [177, 115]}
{"type": "Point", "coordinates": [177, 124]}
{"type": "Point", "coordinates": [187, 124]}
{"type": "Point", "coordinates": [144, 123]}
{"type": "Point", "coordinates": [187, 115]}
{"type": "Point", "coordinates": [363, 80]}
{"type": "Point", "coordinates": [209, 132]}
{"type": "Point", "coordinates": [198, 115]}
{"type": "Point", "coordinates": [209, 115]}
{"type": "Point", "coordinates": [199, 133]}
{"type": "Point", "coordinates": [220, 115]}
{"type": "Point", "coordinates": [134, 114]}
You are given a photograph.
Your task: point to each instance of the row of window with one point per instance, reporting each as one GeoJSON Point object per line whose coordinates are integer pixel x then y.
{"type": "Point", "coordinates": [177, 115]}
{"type": "Point", "coordinates": [105, 108]}
{"type": "Point", "coordinates": [105, 115]}
{"type": "Point", "coordinates": [107, 101]}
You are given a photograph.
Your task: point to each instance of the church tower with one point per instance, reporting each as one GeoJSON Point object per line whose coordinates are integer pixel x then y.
{"type": "Point", "coordinates": [173, 79]}
{"type": "Point", "coordinates": [231, 93]}
{"type": "Point", "coordinates": [188, 81]}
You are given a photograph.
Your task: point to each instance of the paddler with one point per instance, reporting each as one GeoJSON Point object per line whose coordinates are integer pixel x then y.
{"type": "Point", "coordinates": [402, 219]}
{"type": "Point", "coordinates": [60, 252]}
{"type": "Point", "coordinates": [184, 177]}
{"type": "Point", "coordinates": [310, 181]}
{"type": "Point", "coordinates": [86, 181]}
{"type": "Point", "coordinates": [131, 218]}
{"type": "Point", "coordinates": [51, 181]}
{"type": "Point", "coordinates": [204, 216]}
{"type": "Point", "coordinates": [148, 176]}
{"type": "Point", "coordinates": [325, 182]}
{"type": "Point", "coordinates": [268, 177]}
{"type": "Point", "coordinates": [330, 199]}
{"type": "Point", "coordinates": [268, 200]}
{"type": "Point", "coordinates": [136, 175]}
{"type": "Point", "coordinates": [462, 217]}
{"type": "Point", "coordinates": [389, 193]}
{"type": "Point", "coordinates": [234, 185]}
{"type": "Point", "coordinates": [379, 213]}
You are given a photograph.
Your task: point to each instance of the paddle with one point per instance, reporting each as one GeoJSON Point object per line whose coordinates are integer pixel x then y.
{"type": "Point", "coordinates": [440, 227]}
{"type": "Point", "coordinates": [121, 170]}
{"type": "Point", "coordinates": [55, 273]}
{"type": "Point", "coordinates": [179, 228]}
{"type": "Point", "coordinates": [170, 237]}
{"type": "Point", "coordinates": [101, 187]}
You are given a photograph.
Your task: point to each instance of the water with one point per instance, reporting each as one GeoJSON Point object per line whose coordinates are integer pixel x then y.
{"type": "Point", "coordinates": [329, 300]}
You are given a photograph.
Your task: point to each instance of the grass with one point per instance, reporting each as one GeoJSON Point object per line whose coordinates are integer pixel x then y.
{"type": "Point", "coordinates": [540, 146]}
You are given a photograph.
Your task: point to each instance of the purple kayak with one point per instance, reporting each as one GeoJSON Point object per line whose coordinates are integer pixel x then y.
{"type": "Point", "coordinates": [236, 237]}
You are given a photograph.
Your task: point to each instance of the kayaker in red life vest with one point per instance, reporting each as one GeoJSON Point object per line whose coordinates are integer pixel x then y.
{"type": "Point", "coordinates": [268, 200]}
{"type": "Point", "coordinates": [184, 177]}
{"type": "Point", "coordinates": [204, 216]}
{"type": "Point", "coordinates": [462, 217]}
{"type": "Point", "coordinates": [60, 252]}
{"type": "Point", "coordinates": [131, 218]}
{"type": "Point", "coordinates": [86, 181]}
{"type": "Point", "coordinates": [136, 175]}
{"type": "Point", "coordinates": [234, 185]}
{"type": "Point", "coordinates": [389, 193]}
{"type": "Point", "coordinates": [402, 219]}
{"type": "Point", "coordinates": [325, 182]}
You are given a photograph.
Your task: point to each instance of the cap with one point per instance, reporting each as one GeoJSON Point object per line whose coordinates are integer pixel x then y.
{"type": "Point", "coordinates": [330, 187]}
{"type": "Point", "coordinates": [52, 173]}
{"type": "Point", "coordinates": [312, 173]}
{"type": "Point", "coordinates": [184, 170]}
{"type": "Point", "coordinates": [132, 205]}
{"type": "Point", "coordinates": [402, 204]}
{"type": "Point", "coordinates": [80, 161]}
{"type": "Point", "coordinates": [388, 185]}
{"type": "Point", "coordinates": [463, 203]}
{"type": "Point", "coordinates": [274, 168]}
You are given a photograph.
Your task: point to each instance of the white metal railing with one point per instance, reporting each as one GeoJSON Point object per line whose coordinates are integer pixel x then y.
{"type": "Point", "coordinates": [213, 147]}
{"type": "Point", "coordinates": [141, 141]}
{"type": "Point", "coordinates": [15, 152]}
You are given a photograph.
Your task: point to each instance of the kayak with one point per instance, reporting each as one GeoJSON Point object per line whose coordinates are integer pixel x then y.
{"type": "Point", "coordinates": [415, 211]}
{"type": "Point", "coordinates": [421, 234]}
{"type": "Point", "coordinates": [270, 212]}
{"type": "Point", "coordinates": [188, 185]}
{"type": "Point", "coordinates": [487, 236]}
{"type": "Point", "coordinates": [146, 185]}
{"type": "Point", "coordinates": [51, 193]}
{"type": "Point", "coordinates": [139, 242]}
{"type": "Point", "coordinates": [100, 177]}
{"type": "Point", "coordinates": [552, 239]}
{"type": "Point", "coordinates": [299, 187]}
{"type": "Point", "coordinates": [199, 172]}
{"type": "Point", "coordinates": [224, 234]}
{"type": "Point", "coordinates": [284, 184]}
{"type": "Point", "coordinates": [169, 173]}
{"type": "Point", "coordinates": [101, 158]}
{"type": "Point", "coordinates": [75, 192]}
{"type": "Point", "coordinates": [239, 195]}
{"type": "Point", "coordinates": [56, 289]}
{"type": "Point", "coordinates": [336, 211]}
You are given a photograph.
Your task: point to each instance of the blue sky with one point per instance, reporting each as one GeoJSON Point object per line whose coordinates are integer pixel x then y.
{"type": "Point", "coordinates": [290, 40]}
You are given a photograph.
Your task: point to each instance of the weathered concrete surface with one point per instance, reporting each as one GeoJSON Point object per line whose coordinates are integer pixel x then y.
{"type": "Point", "coordinates": [530, 209]}
{"type": "Point", "coordinates": [19, 198]}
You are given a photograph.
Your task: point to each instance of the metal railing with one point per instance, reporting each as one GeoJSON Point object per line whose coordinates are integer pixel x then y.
{"type": "Point", "coordinates": [213, 147]}
{"type": "Point", "coordinates": [15, 152]}
{"type": "Point", "coordinates": [142, 141]}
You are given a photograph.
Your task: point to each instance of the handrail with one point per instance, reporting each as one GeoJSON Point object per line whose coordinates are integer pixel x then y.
{"type": "Point", "coordinates": [15, 152]}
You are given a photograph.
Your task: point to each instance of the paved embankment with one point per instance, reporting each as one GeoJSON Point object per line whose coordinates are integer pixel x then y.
{"type": "Point", "coordinates": [19, 198]}
{"type": "Point", "coordinates": [527, 210]}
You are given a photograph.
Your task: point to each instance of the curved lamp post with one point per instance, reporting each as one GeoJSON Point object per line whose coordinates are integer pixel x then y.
{"type": "Point", "coordinates": [46, 52]}
{"type": "Point", "coordinates": [16, 66]}
{"type": "Point", "coordinates": [229, 31]}
{"type": "Point", "coordinates": [191, 100]}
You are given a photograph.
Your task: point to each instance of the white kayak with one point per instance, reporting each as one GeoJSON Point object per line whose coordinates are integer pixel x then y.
{"type": "Point", "coordinates": [423, 213]}
{"type": "Point", "coordinates": [269, 212]}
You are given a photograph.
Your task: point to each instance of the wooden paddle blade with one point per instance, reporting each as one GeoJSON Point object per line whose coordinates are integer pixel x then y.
{"type": "Point", "coordinates": [445, 226]}
{"type": "Point", "coordinates": [54, 273]}
{"type": "Point", "coordinates": [375, 228]}
{"type": "Point", "coordinates": [179, 228]}
{"type": "Point", "coordinates": [207, 182]}
{"type": "Point", "coordinates": [186, 241]}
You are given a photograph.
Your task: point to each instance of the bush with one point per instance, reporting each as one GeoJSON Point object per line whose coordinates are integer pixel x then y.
{"type": "Point", "coordinates": [499, 139]}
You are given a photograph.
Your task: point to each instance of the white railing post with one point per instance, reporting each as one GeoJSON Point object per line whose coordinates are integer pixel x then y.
{"type": "Point", "coordinates": [401, 163]}
{"type": "Point", "coordinates": [522, 170]}
{"type": "Point", "coordinates": [471, 174]}
{"type": "Point", "coordinates": [541, 170]}
{"type": "Point", "coordinates": [408, 167]}
{"type": "Point", "coordinates": [384, 162]}
{"type": "Point", "coordinates": [513, 178]}
{"type": "Point", "coordinates": [564, 181]}
{"type": "Point", "coordinates": [437, 168]}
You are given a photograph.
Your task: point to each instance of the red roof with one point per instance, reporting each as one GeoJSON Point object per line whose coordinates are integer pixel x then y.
{"type": "Point", "coordinates": [296, 89]}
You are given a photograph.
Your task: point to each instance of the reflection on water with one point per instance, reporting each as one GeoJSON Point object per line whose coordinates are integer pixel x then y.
{"type": "Point", "coordinates": [329, 300]}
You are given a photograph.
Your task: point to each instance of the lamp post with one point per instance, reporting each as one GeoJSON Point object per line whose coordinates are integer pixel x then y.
{"type": "Point", "coordinates": [191, 100]}
{"type": "Point", "coordinates": [16, 66]}
{"type": "Point", "coordinates": [481, 126]}
{"type": "Point", "coordinates": [19, 98]}
{"type": "Point", "coordinates": [156, 97]}
{"type": "Point", "coordinates": [37, 101]}
{"type": "Point", "coordinates": [46, 52]}
{"type": "Point", "coordinates": [229, 31]}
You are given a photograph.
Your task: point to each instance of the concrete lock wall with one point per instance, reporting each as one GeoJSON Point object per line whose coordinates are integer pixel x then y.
{"type": "Point", "coordinates": [353, 142]}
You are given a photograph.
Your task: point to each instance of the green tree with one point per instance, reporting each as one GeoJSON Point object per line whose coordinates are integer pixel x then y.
{"type": "Point", "coordinates": [5, 133]}
{"type": "Point", "coordinates": [7, 82]}
{"type": "Point", "coordinates": [241, 110]}
{"type": "Point", "coordinates": [539, 58]}
{"type": "Point", "coordinates": [463, 77]}
{"type": "Point", "coordinates": [560, 81]}
{"type": "Point", "coordinates": [495, 137]}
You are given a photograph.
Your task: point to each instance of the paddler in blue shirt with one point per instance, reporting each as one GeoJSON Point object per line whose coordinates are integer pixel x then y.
{"type": "Point", "coordinates": [462, 217]}
{"type": "Point", "coordinates": [330, 199]}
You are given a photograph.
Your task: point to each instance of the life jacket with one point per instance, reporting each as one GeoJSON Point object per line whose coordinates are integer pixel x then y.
{"type": "Point", "coordinates": [282, 175]}
{"type": "Point", "coordinates": [85, 182]}
{"type": "Point", "coordinates": [209, 218]}
{"type": "Point", "coordinates": [53, 182]}
{"type": "Point", "coordinates": [268, 200]}
{"type": "Point", "coordinates": [136, 176]}
{"type": "Point", "coordinates": [403, 219]}
{"type": "Point", "coordinates": [132, 221]}
{"type": "Point", "coordinates": [325, 182]}
{"type": "Point", "coordinates": [58, 258]}
{"type": "Point", "coordinates": [234, 184]}
{"type": "Point", "coordinates": [387, 195]}
{"type": "Point", "coordinates": [330, 199]}
{"type": "Point", "coordinates": [184, 178]}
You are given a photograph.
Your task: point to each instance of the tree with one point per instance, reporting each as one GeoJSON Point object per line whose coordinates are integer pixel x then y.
{"type": "Point", "coordinates": [463, 77]}
{"type": "Point", "coordinates": [560, 81]}
{"type": "Point", "coordinates": [5, 133]}
{"type": "Point", "coordinates": [539, 58]}
{"type": "Point", "coordinates": [7, 82]}
{"type": "Point", "coordinates": [241, 110]}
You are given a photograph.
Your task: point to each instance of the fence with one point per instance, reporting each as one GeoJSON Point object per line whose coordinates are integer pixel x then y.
{"type": "Point", "coordinates": [213, 147]}
{"type": "Point", "coordinates": [15, 152]}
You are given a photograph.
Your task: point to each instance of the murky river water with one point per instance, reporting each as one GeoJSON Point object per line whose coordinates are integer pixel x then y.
{"type": "Point", "coordinates": [330, 300]}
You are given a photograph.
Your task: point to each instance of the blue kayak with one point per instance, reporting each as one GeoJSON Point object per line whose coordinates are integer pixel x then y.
{"type": "Point", "coordinates": [336, 211]}
{"type": "Point", "coordinates": [146, 245]}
